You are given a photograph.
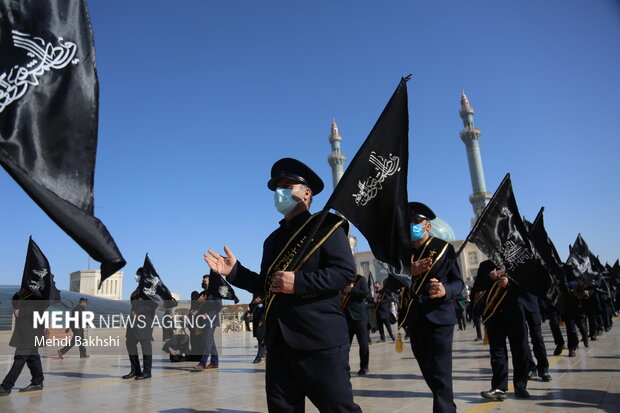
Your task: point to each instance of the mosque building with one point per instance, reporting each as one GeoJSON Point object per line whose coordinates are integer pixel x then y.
{"type": "Point", "coordinates": [471, 256]}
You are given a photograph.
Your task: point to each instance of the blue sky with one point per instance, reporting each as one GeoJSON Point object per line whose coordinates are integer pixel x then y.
{"type": "Point", "coordinates": [200, 97]}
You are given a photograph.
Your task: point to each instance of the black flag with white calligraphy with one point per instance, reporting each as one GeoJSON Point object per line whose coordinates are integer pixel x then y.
{"type": "Point", "coordinates": [501, 235]}
{"type": "Point", "coordinates": [372, 193]}
{"type": "Point", "coordinates": [152, 287]}
{"type": "Point", "coordinates": [220, 288]}
{"type": "Point", "coordinates": [38, 280]}
{"type": "Point", "coordinates": [49, 104]}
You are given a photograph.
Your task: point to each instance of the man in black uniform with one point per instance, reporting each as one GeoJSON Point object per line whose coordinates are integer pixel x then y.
{"type": "Point", "coordinates": [143, 311]}
{"type": "Point", "coordinates": [307, 340]}
{"type": "Point", "coordinates": [77, 330]}
{"type": "Point", "coordinates": [382, 312]}
{"type": "Point", "coordinates": [508, 321]}
{"type": "Point", "coordinates": [354, 307]}
{"type": "Point", "coordinates": [428, 308]}
{"type": "Point", "coordinates": [23, 339]}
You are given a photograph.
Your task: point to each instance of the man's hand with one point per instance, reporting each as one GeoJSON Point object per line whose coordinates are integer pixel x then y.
{"type": "Point", "coordinates": [496, 274]}
{"type": "Point", "coordinates": [503, 281]}
{"type": "Point", "coordinates": [347, 289]}
{"type": "Point", "coordinates": [219, 264]}
{"type": "Point", "coordinates": [436, 289]}
{"type": "Point", "coordinates": [420, 266]}
{"type": "Point", "coordinates": [283, 282]}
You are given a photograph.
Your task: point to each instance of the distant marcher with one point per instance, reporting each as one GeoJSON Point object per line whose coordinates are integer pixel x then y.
{"type": "Point", "coordinates": [77, 330]}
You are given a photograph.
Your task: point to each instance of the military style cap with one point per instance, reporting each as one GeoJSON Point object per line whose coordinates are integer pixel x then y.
{"type": "Point", "coordinates": [418, 210]}
{"type": "Point", "coordinates": [83, 299]}
{"type": "Point", "coordinates": [298, 171]}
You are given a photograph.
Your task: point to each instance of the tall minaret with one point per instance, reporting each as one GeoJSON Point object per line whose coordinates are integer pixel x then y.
{"type": "Point", "coordinates": [336, 159]}
{"type": "Point", "coordinates": [470, 136]}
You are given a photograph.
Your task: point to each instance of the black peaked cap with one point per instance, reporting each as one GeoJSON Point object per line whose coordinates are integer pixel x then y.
{"type": "Point", "coordinates": [298, 171]}
{"type": "Point", "coordinates": [418, 208]}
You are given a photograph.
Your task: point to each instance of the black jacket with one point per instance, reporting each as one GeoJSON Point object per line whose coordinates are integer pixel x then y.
{"type": "Point", "coordinates": [439, 311]}
{"type": "Point", "coordinates": [356, 306]}
{"type": "Point", "coordinates": [312, 317]}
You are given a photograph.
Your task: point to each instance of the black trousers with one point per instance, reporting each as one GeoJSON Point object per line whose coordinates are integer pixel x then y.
{"type": "Point", "coordinates": [131, 342]}
{"type": "Point", "coordinates": [24, 356]}
{"type": "Point", "coordinates": [477, 322]}
{"type": "Point", "coordinates": [554, 325]}
{"type": "Point", "coordinates": [380, 323]}
{"type": "Point", "coordinates": [499, 328]}
{"type": "Point", "coordinates": [76, 333]}
{"type": "Point", "coordinates": [534, 325]}
{"type": "Point", "coordinates": [322, 375]}
{"type": "Point", "coordinates": [359, 328]}
{"type": "Point", "coordinates": [432, 347]}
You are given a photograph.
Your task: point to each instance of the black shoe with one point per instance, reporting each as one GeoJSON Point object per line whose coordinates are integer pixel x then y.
{"type": "Point", "coordinates": [521, 394]}
{"type": "Point", "coordinates": [532, 375]}
{"type": "Point", "coordinates": [593, 338]}
{"type": "Point", "coordinates": [4, 392]}
{"type": "Point", "coordinates": [477, 339]}
{"type": "Point", "coordinates": [586, 342]}
{"type": "Point", "coordinates": [132, 374]}
{"type": "Point", "coordinates": [32, 387]}
{"type": "Point", "coordinates": [494, 394]}
{"type": "Point", "coordinates": [362, 372]}
{"type": "Point", "coordinates": [558, 349]}
{"type": "Point", "coordinates": [545, 377]}
{"type": "Point", "coordinates": [143, 376]}
{"type": "Point", "coordinates": [257, 360]}
{"type": "Point", "coordinates": [571, 353]}
{"type": "Point", "coordinates": [381, 340]}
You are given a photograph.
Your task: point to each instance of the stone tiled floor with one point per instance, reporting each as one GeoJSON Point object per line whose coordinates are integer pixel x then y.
{"type": "Point", "coordinates": [587, 383]}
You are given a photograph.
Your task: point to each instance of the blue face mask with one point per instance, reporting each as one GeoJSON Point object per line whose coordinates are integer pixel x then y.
{"type": "Point", "coordinates": [417, 232]}
{"type": "Point", "coordinates": [284, 200]}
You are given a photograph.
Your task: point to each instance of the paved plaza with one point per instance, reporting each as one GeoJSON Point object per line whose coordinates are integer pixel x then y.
{"type": "Point", "coordinates": [587, 383]}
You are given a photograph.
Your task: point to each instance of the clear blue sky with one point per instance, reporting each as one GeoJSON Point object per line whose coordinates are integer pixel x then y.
{"type": "Point", "coordinates": [200, 97]}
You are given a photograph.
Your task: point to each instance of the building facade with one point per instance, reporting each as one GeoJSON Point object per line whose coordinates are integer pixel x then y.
{"type": "Point", "coordinates": [87, 282]}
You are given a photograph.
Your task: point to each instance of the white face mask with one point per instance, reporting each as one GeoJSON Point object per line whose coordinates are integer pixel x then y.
{"type": "Point", "coordinates": [284, 201]}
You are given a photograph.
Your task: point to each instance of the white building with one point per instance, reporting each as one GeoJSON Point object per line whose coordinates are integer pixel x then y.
{"type": "Point", "coordinates": [87, 282]}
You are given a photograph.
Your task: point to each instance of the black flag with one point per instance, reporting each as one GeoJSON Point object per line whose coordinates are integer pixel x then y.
{"type": "Point", "coordinates": [38, 279]}
{"type": "Point", "coordinates": [220, 288]}
{"type": "Point", "coordinates": [501, 235]}
{"type": "Point", "coordinates": [579, 259]}
{"type": "Point", "coordinates": [152, 287]}
{"type": "Point", "coordinates": [557, 293]}
{"type": "Point", "coordinates": [372, 193]}
{"type": "Point", "coordinates": [49, 103]}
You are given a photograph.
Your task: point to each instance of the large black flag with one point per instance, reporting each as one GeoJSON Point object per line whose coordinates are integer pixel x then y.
{"type": "Point", "coordinates": [579, 259]}
{"type": "Point", "coordinates": [501, 235]}
{"type": "Point", "coordinates": [38, 279]}
{"type": "Point", "coordinates": [372, 193]}
{"type": "Point", "coordinates": [220, 288]}
{"type": "Point", "coordinates": [152, 287]}
{"type": "Point", "coordinates": [49, 103]}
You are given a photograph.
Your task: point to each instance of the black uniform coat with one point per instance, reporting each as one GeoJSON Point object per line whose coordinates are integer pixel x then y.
{"type": "Point", "coordinates": [356, 306]}
{"type": "Point", "coordinates": [24, 333]}
{"type": "Point", "coordinates": [312, 317]}
{"type": "Point", "coordinates": [144, 309]}
{"type": "Point", "coordinates": [439, 311]}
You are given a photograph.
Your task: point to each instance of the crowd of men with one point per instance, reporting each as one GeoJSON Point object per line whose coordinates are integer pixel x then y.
{"type": "Point", "coordinates": [307, 284]}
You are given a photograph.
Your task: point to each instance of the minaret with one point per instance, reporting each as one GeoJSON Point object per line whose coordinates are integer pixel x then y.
{"type": "Point", "coordinates": [336, 159]}
{"type": "Point", "coordinates": [470, 136]}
